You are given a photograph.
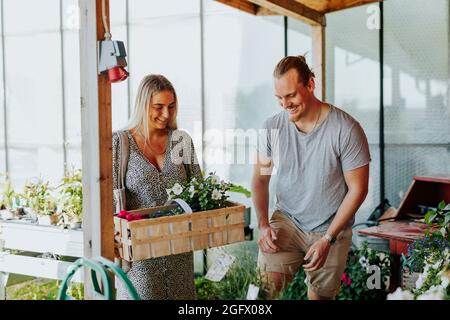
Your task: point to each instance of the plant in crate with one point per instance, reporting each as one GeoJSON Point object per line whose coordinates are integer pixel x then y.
{"type": "Point", "coordinates": [40, 202]}
{"type": "Point", "coordinates": [70, 199]}
{"type": "Point", "coordinates": [205, 193]}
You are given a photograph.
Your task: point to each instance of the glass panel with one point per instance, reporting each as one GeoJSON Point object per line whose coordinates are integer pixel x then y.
{"type": "Point", "coordinates": [72, 83]}
{"type": "Point", "coordinates": [416, 82]}
{"type": "Point", "coordinates": [152, 23]}
{"type": "Point", "coordinates": [34, 95]}
{"type": "Point", "coordinates": [299, 39]}
{"type": "Point", "coordinates": [2, 116]}
{"type": "Point", "coordinates": [352, 80]}
{"type": "Point", "coordinates": [241, 51]}
{"type": "Point", "coordinates": [119, 90]}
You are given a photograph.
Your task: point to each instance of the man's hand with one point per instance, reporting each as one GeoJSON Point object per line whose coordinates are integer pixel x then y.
{"type": "Point", "coordinates": [317, 254]}
{"type": "Point", "coordinates": [266, 237]}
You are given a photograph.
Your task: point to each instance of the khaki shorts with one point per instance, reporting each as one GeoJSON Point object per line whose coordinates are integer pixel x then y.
{"type": "Point", "coordinates": [294, 243]}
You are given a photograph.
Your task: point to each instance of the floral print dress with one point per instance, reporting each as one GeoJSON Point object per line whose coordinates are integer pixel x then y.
{"type": "Point", "coordinates": [170, 277]}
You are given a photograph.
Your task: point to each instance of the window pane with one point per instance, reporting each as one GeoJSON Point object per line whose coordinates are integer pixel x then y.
{"type": "Point", "coordinates": [34, 99]}
{"type": "Point", "coordinates": [2, 116]}
{"type": "Point", "coordinates": [241, 51]}
{"type": "Point", "coordinates": [72, 83]}
{"type": "Point", "coordinates": [353, 83]}
{"type": "Point", "coordinates": [152, 24]}
{"type": "Point", "coordinates": [299, 39]}
{"type": "Point", "coordinates": [417, 109]}
{"type": "Point", "coordinates": [120, 90]}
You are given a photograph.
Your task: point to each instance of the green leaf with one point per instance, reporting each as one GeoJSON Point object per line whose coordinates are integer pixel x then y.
{"type": "Point", "coordinates": [240, 189]}
{"type": "Point", "coordinates": [441, 205]}
{"type": "Point", "coordinates": [447, 207]}
{"type": "Point", "coordinates": [430, 216]}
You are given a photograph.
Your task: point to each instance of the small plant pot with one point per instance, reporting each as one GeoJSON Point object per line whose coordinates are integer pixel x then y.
{"type": "Point", "coordinates": [6, 214]}
{"type": "Point", "coordinates": [75, 225]}
{"type": "Point", "coordinates": [409, 279]}
{"type": "Point", "coordinates": [48, 220]}
{"type": "Point", "coordinates": [31, 213]}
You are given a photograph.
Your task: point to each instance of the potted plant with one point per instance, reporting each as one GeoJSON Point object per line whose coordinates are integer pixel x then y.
{"type": "Point", "coordinates": [40, 202]}
{"type": "Point", "coordinates": [7, 201]}
{"type": "Point", "coordinates": [70, 200]}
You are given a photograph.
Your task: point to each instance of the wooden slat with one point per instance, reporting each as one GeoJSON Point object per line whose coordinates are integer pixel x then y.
{"type": "Point", "coordinates": [106, 226]}
{"type": "Point", "coordinates": [326, 6]}
{"type": "Point", "coordinates": [194, 216]}
{"type": "Point", "coordinates": [242, 5]}
{"type": "Point", "coordinates": [319, 59]}
{"type": "Point", "coordinates": [37, 267]}
{"type": "Point", "coordinates": [26, 237]}
{"type": "Point", "coordinates": [165, 235]}
{"type": "Point", "coordinates": [293, 9]}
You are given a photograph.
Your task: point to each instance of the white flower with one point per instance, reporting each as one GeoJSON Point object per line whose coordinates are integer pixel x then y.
{"type": "Point", "coordinates": [216, 195]}
{"type": "Point", "coordinates": [400, 294]}
{"type": "Point", "coordinates": [191, 191]}
{"type": "Point", "coordinates": [420, 280]}
{"type": "Point", "coordinates": [364, 262]}
{"type": "Point", "coordinates": [177, 189]}
{"type": "Point", "coordinates": [434, 293]}
{"type": "Point", "coordinates": [445, 279]}
{"type": "Point", "coordinates": [215, 179]}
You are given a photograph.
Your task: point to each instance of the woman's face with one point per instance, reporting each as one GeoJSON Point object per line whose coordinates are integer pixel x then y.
{"type": "Point", "coordinates": [162, 109]}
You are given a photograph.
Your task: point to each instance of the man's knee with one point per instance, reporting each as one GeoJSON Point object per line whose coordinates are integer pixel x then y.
{"type": "Point", "coordinates": [275, 282]}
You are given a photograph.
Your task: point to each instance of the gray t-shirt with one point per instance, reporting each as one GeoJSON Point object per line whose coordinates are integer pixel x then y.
{"type": "Point", "coordinates": [310, 168]}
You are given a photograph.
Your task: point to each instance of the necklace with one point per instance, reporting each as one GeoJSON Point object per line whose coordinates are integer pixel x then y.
{"type": "Point", "coordinates": [158, 153]}
{"type": "Point", "coordinates": [320, 112]}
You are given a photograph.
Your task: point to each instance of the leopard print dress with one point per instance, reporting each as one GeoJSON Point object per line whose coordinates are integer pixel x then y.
{"type": "Point", "coordinates": [170, 277]}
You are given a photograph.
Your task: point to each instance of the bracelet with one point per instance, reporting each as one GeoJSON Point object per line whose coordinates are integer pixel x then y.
{"type": "Point", "coordinates": [329, 238]}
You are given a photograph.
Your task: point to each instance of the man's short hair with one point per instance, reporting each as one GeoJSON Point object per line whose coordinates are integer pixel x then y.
{"type": "Point", "coordinates": [294, 62]}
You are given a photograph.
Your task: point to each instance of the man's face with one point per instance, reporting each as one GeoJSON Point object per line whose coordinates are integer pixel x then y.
{"type": "Point", "coordinates": [293, 96]}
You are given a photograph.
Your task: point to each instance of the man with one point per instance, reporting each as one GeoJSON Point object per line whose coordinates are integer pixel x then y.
{"type": "Point", "coordinates": [321, 157]}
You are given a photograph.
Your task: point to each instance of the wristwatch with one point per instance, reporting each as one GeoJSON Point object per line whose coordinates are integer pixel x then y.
{"type": "Point", "coordinates": [329, 238]}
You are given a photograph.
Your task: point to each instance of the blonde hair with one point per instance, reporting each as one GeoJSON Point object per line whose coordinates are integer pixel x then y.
{"type": "Point", "coordinates": [294, 62]}
{"type": "Point", "coordinates": [149, 86]}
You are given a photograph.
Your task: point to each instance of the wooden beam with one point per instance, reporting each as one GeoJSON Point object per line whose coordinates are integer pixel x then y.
{"type": "Point", "coordinates": [318, 58]}
{"type": "Point", "coordinates": [96, 131]}
{"type": "Point", "coordinates": [265, 12]}
{"type": "Point", "coordinates": [106, 226]}
{"type": "Point", "coordinates": [326, 6]}
{"type": "Point", "coordinates": [293, 9]}
{"type": "Point", "coordinates": [242, 5]}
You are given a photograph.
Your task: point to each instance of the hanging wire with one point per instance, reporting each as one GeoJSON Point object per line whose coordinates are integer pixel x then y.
{"type": "Point", "coordinates": [105, 21]}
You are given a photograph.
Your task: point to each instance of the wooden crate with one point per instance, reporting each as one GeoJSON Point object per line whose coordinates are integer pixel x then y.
{"type": "Point", "coordinates": [156, 237]}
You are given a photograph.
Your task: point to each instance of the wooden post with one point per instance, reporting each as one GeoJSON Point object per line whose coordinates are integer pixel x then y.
{"type": "Point", "coordinates": [318, 58]}
{"type": "Point", "coordinates": [96, 132]}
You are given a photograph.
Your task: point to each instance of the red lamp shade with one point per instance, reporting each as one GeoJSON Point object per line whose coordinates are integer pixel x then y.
{"type": "Point", "coordinates": [117, 74]}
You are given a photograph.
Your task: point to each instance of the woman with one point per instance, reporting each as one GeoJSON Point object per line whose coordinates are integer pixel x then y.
{"type": "Point", "coordinates": [153, 167]}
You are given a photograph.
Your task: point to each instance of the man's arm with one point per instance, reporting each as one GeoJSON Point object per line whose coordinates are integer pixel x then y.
{"type": "Point", "coordinates": [357, 181]}
{"type": "Point", "coordinates": [260, 194]}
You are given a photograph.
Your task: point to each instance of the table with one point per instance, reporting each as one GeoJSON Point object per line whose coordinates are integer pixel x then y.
{"type": "Point", "coordinates": [400, 234]}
